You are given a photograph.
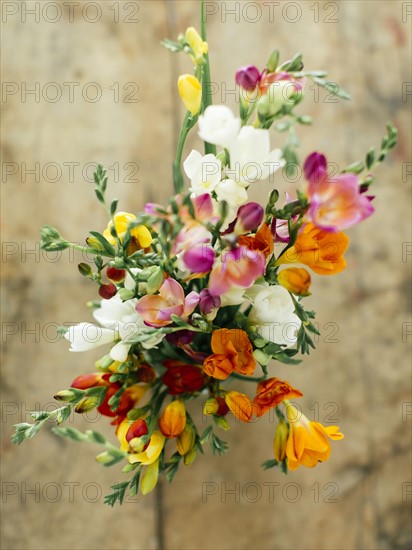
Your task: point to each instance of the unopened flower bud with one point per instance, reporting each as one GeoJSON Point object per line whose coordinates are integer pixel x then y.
{"type": "Point", "coordinates": [190, 457]}
{"type": "Point", "coordinates": [210, 407]}
{"type": "Point", "coordinates": [104, 362]}
{"type": "Point", "coordinates": [278, 94]}
{"type": "Point", "coordinates": [190, 91]}
{"type": "Point", "coordinates": [155, 280]}
{"type": "Point", "coordinates": [95, 244]}
{"type": "Point", "coordinates": [279, 443]}
{"type": "Point", "coordinates": [107, 291]}
{"type": "Point", "coordinates": [222, 423]}
{"type": "Point", "coordinates": [186, 440]}
{"type": "Point", "coordinates": [173, 420]}
{"type": "Point", "coordinates": [84, 269]}
{"type": "Point", "coordinates": [198, 46]}
{"type": "Point", "coordinates": [248, 77]}
{"type": "Point", "coordinates": [249, 217]}
{"type": "Point", "coordinates": [116, 275]}
{"type": "Point", "coordinates": [104, 458]}
{"type": "Point", "coordinates": [137, 429]}
{"type": "Point", "coordinates": [65, 395]}
{"type": "Point", "coordinates": [86, 404]}
{"type": "Point", "coordinates": [125, 294]}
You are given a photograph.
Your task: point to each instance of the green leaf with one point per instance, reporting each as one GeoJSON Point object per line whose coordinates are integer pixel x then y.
{"type": "Point", "coordinates": [218, 446]}
{"type": "Point", "coordinates": [119, 492]}
{"type": "Point", "coordinates": [273, 61]}
{"type": "Point", "coordinates": [99, 195]}
{"type": "Point", "coordinates": [270, 464]}
{"type": "Point", "coordinates": [70, 433]}
{"type": "Point", "coordinates": [204, 438]}
{"type": "Point", "coordinates": [113, 207]}
{"type": "Point", "coordinates": [172, 46]}
{"type": "Point", "coordinates": [293, 65]}
{"type": "Point", "coordinates": [95, 437]}
{"type": "Point", "coordinates": [331, 87]}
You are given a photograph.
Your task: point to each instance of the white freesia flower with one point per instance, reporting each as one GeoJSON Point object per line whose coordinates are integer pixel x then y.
{"type": "Point", "coordinates": [204, 172]}
{"type": "Point", "coordinates": [237, 296]}
{"type": "Point", "coordinates": [251, 159]}
{"type": "Point", "coordinates": [273, 314]}
{"type": "Point", "coordinates": [219, 126]}
{"type": "Point", "coordinates": [87, 336]}
{"type": "Point", "coordinates": [129, 282]}
{"type": "Point", "coordinates": [234, 194]}
{"type": "Point", "coordinates": [119, 320]}
{"type": "Point", "coordinates": [233, 297]}
{"type": "Point", "coordinates": [230, 191]}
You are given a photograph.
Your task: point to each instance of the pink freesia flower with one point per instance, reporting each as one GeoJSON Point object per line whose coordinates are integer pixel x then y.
{"type": "Point", "coordinates": [157, 310]}
{"type": "Point", "coordinates": [336, 203]}
{"type": "Point", "coordinates": [239, 267]}
{"type": "Point", "coordinates": [203, 207]}
{"type": "Point", "coordinates": [199, 259]}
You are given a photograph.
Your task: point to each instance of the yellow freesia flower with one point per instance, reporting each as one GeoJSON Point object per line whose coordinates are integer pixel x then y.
{"type": "Point", "coordinates": [152, 452]}
{"type": "Point", "coordinates": [199, 46]}
{"type": "Point", "coordinates": [308, 442]}
{"type": "Point", "coordinates": [190, 91]}
{"type": "Point", "coordinates": [149, 478]}
{"type": "Point", "coordinates": [135, 447]}
{"type": "Point", "coordinates": [122, 220]}
{"type": "Point", "coordinates": [186, 440]}
{"type": "Point", "coordinates": [280, 440]}
{"type": "Point", "coordinates": [296, 280]}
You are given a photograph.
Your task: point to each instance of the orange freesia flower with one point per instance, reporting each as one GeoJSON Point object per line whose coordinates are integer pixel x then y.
{"type": "Point", "coordinates": [173, 420]}
{"type": "Point", "coordinates": [320, 250]}
{"type": "Point", "coordinates": [308, 442]}
{"type": "Point", "coordinates": [270, 393]}
{"type": "Point", "coordinates": [296, 280]}
{"type": "Point", "coordinates": [232, 351]}
{"type": "Point", "coordinates": [263, 240]}
{"type": "Point", "coordinates": [240, 405]}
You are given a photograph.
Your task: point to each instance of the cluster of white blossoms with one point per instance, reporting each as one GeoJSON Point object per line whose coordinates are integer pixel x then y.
{"type": "Point", "coordinates": [250, 158]}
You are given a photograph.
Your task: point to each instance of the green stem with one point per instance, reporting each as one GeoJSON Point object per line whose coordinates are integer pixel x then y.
{"type": "Point", "coordinates": [177, 170]}
{"type": "Point", "coordinates": [88, 250]}
{"type": "Point", "coordinates": [247, 378]}
{"type": "Point", "coordinates": [206, 80]}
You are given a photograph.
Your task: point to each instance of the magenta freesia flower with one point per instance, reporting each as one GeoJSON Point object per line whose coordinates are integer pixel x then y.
{"type": "Point", "coordinates": [248, 77]}
{"type": "Point", "coordinates": [249, 217]}
{"type": "Point", "coordinates": [199, 259]}
{"type": "Point", "coordinates": [336, 203]}
{"type": "Point", "coordinates": [156, 310]}
{"type": "Point", "coordinates": [208, 302]}
{"type": "Point", "coordinates": [239, 267]}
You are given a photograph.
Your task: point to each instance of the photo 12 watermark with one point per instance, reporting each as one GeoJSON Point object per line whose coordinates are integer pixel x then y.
{"type": "Point", "coordinates": [35, 11]}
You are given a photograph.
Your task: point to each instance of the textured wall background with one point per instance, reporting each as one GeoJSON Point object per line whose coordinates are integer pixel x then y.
{"type": "Point", "coordinates": [363, 379]}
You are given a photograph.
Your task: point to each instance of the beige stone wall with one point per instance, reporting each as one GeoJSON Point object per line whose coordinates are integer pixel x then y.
{"type": "Point", "coordinates": [363, 377]}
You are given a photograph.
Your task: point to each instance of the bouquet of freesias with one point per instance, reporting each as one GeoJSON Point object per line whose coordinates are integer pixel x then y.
{"type": "Point", "coordinates": [210, 289]}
